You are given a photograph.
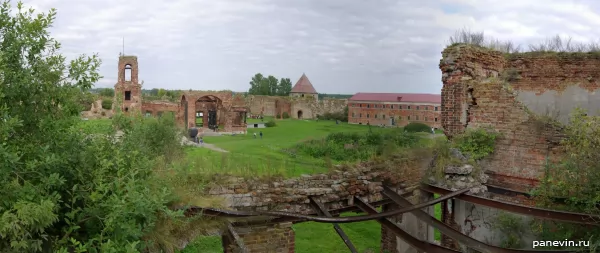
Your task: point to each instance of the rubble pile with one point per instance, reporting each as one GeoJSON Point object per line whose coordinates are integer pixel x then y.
{"type": "Point", "coordinates": [462, 176]}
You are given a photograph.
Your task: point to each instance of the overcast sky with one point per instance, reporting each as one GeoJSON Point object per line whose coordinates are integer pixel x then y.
{"type": "Point", "coordinates": [343, 46]}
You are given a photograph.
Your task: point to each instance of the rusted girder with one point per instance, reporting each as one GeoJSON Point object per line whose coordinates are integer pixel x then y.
{"type": "Point", "coordinates": [237, 238]}
{"type": "Point", "coordinates": [514, 208]}
{"type": "Point", "coordinates": [232, 213]}
{"type": "Point", "coordinates": [323, 211]}
{"type": "Point", "coordinates": [421, 246]}
{"type": "Point", "coordinates": [449, 231]}
{"type": "Point", "coordinates": [334, 212]}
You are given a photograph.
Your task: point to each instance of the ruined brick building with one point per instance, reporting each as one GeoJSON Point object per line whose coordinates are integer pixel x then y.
{"type": "Point", "coordinates": [395, 109]}
{"type": "Point", "coordinates": [224, 110]}
{"type": "Point", "coordinates": [128, 91]}
{"type": "Point", "coordinates": [519, 96]}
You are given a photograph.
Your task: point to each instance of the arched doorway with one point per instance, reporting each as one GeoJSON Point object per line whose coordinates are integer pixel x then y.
{"type": "Point", "coordinates": [299, 114]}
{"type": "Point", "coordinates": [209, 106]}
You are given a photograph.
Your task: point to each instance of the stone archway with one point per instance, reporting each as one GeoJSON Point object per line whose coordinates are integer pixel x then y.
{"type": "Point", "coordinates": [300, 114]}
{"type": "Point", "coordinates": [210, 107]}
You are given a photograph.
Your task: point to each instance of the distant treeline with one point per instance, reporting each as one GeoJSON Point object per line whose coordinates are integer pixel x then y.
{"type": "Point", "coordinates": [338, 96]}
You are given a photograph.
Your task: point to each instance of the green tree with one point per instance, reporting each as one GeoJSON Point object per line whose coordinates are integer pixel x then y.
{"type": "Point", "coordinates": [63, 190]}
{"type": "Point", "coordinates": [285, 87]}
{"type": "Point", "coordinates": [107, 92]}
{"type": "Point", "coordinates": [269, 86]}
{"type": "Point", "coordinates": [255, 84]}
{"type": "Point", "coordinates": [272, 85]}
{"type": "Point", "coordinates": [161, 93]}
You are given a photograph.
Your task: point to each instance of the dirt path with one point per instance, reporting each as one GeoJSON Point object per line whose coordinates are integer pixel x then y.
{"type": "Point", "coordinates": [186, 141]}
{"type": "Point", "coordinates": [212, 147]}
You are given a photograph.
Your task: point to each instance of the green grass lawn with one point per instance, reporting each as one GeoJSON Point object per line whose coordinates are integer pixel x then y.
{"type": "Point", "coordinates": [266, 156]}
{"type": "Point", "coordinates": [314, 237]}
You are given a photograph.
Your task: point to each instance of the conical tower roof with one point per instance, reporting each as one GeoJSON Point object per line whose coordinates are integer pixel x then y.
{"type": "Point", "coordinates": [304, 86]}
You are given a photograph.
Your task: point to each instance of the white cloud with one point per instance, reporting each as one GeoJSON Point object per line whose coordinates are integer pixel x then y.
{"type": "Point", "coordinates": [383, 46]}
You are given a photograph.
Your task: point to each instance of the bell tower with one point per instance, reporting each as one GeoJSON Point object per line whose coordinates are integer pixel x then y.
{"type": "Point", "coordinates": [128, 92]}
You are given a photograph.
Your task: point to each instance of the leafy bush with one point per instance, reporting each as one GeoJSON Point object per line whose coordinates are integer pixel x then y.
{"type": "Point", "coordinates": [571, 181]}
{"type": "Point", "coordinates": [270, 123]}
{"type": "Point", "coordinates": [341, 116]}
{"type": "Point", "coordinates": [107, 92]}
{"type": "Point", "coordinates": [477, 143]}
{"type": "Point", "coordinates": [86, 99]}
{"type": "Point", "coordinates": [356, 146]}
{"type": "Point", "coordinates": [285, 115]}
{"type": "Point", "coordinates": [107, 104]}
{"type": "Point", "coordinates": [64, 190]}
{"type": "Point", "coordinates": [415, 127]}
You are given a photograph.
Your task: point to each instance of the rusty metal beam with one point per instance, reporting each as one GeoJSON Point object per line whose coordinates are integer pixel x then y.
{"type": "Point", "coordinates": [421, 246]}
{"type": "Point", "coordinates": [237, 238]}
{"type": "Point", "coordinates": [323, 211]}
{"type": "Point", "coordinates": [334, 212]}
{"type": "Point", "coordinates": [526, 210]}
{"type": "Point", "coordinates": [449, 231]}
{"type": "Point", "coordinates": [234, 213]}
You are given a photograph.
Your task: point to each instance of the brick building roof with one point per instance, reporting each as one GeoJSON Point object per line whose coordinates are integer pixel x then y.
{"type": "Point", "coordinates": [398, 97]}
{"type": "Point", "coordinates": [304, 86]}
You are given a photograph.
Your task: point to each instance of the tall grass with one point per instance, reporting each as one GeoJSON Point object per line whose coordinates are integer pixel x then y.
{"type": "Point", "coordinates": [550, 44]}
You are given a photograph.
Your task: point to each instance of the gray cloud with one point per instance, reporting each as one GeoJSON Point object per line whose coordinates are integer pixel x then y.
{"type": "Point", "coordinates": [344, 46]}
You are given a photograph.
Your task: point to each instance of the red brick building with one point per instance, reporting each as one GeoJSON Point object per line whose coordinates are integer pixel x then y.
{"type": "Point", "coordinates": [395, 109]}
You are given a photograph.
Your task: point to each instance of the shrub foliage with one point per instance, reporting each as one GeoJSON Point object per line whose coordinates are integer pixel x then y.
{"type": "Point", "coordinates": [341, 116]}
{"type": "Point", "coordinates": [415, 127]}
{"type": "Point", "coordinates": [356, 146]}
{"type": "Point", "coordinates": [64, 190]}
{"type": "Point", "coordinates": [572, 182]}
{"type": "Point", "coordinates": [270, 123]}
{"type": "Point", "coordinates": [107, 104]}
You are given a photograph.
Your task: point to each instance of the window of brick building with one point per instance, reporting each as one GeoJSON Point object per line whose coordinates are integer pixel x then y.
{"type": "Point", "coordinates": [127, 95]}
{"type": "Point", "coordinates": [435, 108]}
{"type": "Point", "coordinates": [392, 106]}
{"type": "Point", "coordinates": [368, 115]}
{"type": "Point", "coordinates": [435, 119]}
{"type": "Point", "coordinates": [417, 107]}
{"type": "Point", "coordinates": [408, 107]}
{"type": "Point", "coordinates": [375, 116]}
{"type": "Point", "coordinates": [407, 117]}
{"type": "Point", "coordinates": [360, 115]}
{"type": "Point", "coordinates": [416, 117]}
{"type": "Point", "coordinates": [383, 116]}
{"type": "Point", "coordinates": [368, 105]}
{"type": "Point", "coordinates": [425, 119]}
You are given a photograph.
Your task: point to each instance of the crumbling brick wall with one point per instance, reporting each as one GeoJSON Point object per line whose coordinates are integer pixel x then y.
{"type": "Point", "coordinates": [130, 87]}
{"type": "Point", "coordinates": [516, 95]}
{"type": "Point", "coordinates": [277, 105]}
{"type": "Point", "coordinates": [155, 108]}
